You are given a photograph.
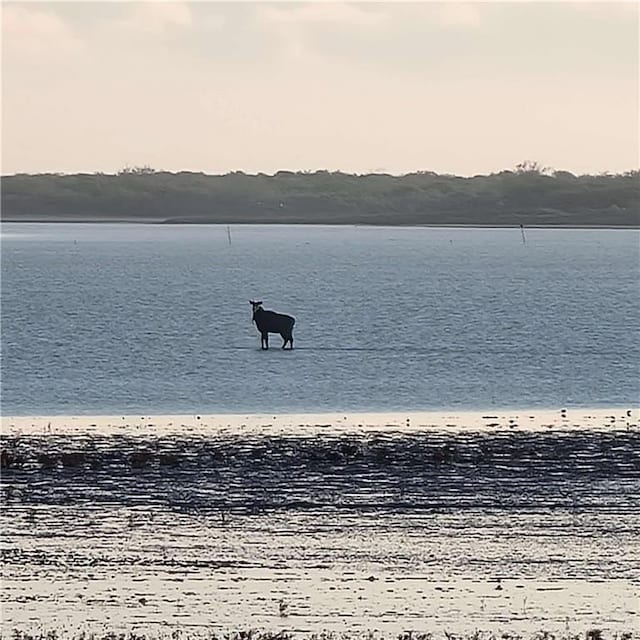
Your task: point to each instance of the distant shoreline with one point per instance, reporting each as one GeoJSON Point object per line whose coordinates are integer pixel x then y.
{"type": "Point", "coordinates": [527, 196]}
{"type": "Point", "coordinates": [146, 221]}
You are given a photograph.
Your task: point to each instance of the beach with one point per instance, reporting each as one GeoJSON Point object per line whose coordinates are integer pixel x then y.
{"type": "Point", "coordinates": [610, 418]}
{"type": "Point", "coordinates": [506, 521]}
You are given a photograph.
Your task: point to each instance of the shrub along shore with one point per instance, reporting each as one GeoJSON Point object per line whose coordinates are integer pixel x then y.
{"type": "Point", "coordinates": [528, 195]}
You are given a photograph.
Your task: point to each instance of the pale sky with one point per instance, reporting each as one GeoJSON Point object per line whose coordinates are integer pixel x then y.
{"type": "Point", "coordinates": [451, 87]}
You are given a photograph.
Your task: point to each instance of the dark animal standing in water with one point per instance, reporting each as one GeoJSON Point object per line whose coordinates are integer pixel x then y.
{"type": "Point", "coordinates": [272, 322]}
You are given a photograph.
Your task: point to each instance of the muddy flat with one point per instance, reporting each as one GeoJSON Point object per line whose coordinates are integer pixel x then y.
{"type": "Point", "coordinates": [507, 521]}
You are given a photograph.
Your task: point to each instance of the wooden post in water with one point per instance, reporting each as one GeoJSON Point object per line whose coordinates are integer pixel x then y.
{"type": "Point", "coordinates": [229, 234]}
{"type": "Point", "coordinates": [524, 240]}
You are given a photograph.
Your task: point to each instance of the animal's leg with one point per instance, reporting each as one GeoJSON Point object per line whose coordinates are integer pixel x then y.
{"type": "Point", "coordinates": [265, 340]}
{"type": "Point", "coordinates": [284, 340]}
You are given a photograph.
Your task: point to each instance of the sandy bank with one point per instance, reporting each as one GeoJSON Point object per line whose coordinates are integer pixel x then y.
{"type": "Point", "coordinates": [610, 418]}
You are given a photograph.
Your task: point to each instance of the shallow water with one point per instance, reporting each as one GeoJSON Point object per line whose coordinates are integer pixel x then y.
{"type": "Point", "coordinates": [128, 318]}
{"type": "Point", "coordinates": [377, 527]}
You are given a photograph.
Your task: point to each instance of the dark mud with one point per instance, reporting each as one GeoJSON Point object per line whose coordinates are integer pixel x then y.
{"type": "Point", "coordinates": [381, 472]}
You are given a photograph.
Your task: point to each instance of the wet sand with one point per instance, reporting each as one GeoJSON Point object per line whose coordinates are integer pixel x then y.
{"type": "Point", "coordinates": [610, 418]}
{"type": "Point", "coordinates": [512, 521]}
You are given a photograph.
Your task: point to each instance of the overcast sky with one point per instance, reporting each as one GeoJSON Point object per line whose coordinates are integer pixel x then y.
{"type": "Point", "coordinates": [358, 87]}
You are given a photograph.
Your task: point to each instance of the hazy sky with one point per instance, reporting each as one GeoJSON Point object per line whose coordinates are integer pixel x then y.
{"type": "Point", "coordinates": [260, 86]}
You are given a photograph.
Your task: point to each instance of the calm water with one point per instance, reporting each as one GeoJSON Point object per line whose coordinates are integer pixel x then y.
{"type": "Point", "coordinates": [131, 318]}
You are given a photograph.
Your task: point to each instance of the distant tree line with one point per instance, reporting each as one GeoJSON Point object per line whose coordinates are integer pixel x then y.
{"type": "Point", "coordinates": [529, 194]}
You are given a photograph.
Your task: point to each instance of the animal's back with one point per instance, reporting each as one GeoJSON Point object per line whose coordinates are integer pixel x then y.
{"type": "Point", "coordinates": [272, 316]}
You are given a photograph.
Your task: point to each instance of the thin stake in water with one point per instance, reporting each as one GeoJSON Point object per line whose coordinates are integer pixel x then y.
{"type": "Point", "coordinates": [524, 240]}
{"type": "Point", "coordinates": [229, 234]}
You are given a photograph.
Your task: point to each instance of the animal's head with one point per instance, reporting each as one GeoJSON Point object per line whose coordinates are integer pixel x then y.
{"type": "Point", "coordinates": [255, 305]}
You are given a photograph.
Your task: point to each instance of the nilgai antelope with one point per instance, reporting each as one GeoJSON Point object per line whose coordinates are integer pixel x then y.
{"type": "Point", "coordinates": [272, 322]}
